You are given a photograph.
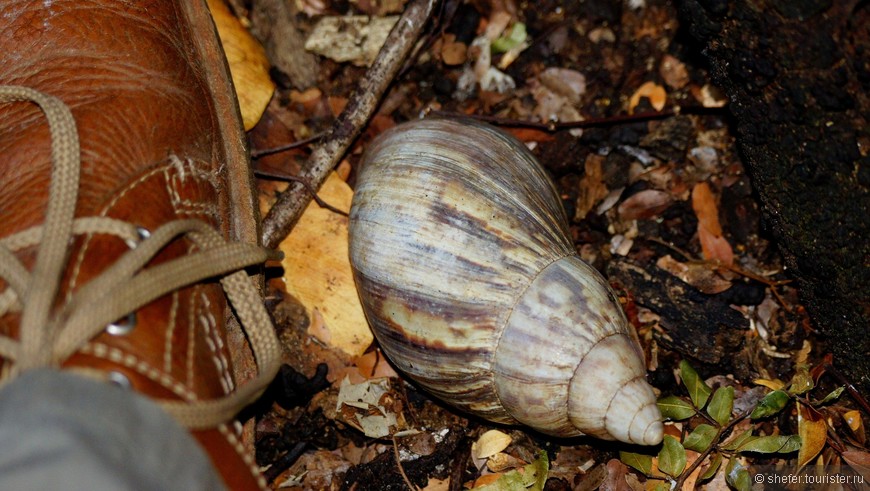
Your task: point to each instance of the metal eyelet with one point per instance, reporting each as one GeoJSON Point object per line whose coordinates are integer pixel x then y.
{"type": "Point", "coordinates": [142, 233]}
{"type": "Point", "coordinates": [119, 379]}
{"type": "Point", "coordinates": [123, 326]}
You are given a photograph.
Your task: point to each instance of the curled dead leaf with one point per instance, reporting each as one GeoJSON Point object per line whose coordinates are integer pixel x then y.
{"type": "Point", "coordinates": [655, 93]}
{"type": "Point", "coordinates": [713, 245]}
{"type": "Point", "coordinates": [248, 64]}
{"type": "Point", "coordinates": [489, 444]}
{"type": "Point", "coordinates": [645, 204]}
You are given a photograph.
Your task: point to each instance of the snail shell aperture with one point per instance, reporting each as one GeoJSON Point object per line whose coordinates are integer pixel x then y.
{"type": "Point", "coordinates": [461, 254]}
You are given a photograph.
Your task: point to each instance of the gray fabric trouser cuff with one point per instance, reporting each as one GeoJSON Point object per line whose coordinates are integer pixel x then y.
{"type": "Point", "coordinates": [63, 431]}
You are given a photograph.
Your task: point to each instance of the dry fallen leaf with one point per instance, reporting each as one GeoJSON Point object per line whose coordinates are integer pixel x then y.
{"type": "Point", "coordinates": [317, 270]}
{"type": "Point", "coordinates": [249, 66]}
{"type": "Point", "coordinates": [592, 188]}
{"type": "Point", "coordinates": [813, 432]}
{"type": "Point", "coordinates": [673, 72]}
{"type": "Point", "coordinates": [713, 244]}
{"type": "Point", "coordinates": [856, 425]}
{"type": "Point", "coordinates": [353, 38]}
{"type": "Point", "coordinates": [644, 204]}
{"type": "Point", "coordinates": [489, 444]}
{"type": "Point", "coordinates": [701, 276]}
{"type": "Point", "coordinates": [437, 484]}
{"type": "Point", "coordinates": [652, 91]}
{"type": "Point", "coordinates": [374, 365]}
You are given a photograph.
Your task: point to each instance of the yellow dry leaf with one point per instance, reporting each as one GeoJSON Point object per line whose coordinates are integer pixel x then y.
{"type": "Point", "coordinates": [774, 384]}
{"type": "Point", "coordinates": [813, 432]}
{"type": "Point", "coordinates": [489, 444]}
{"type": "Point", "coordinates": [317, 269]}
{"type": "Point", "coordinates": [655, 93]}
{"type": "Point", "coordinates": [437, 484]}
{"type": "Point", "coordinates": [853, 419]}
{"type": "Point", "coordinates": [249, 66]}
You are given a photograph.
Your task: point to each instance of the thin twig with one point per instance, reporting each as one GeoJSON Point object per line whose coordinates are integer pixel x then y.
{"type": "Point", "coordinates": [706, 453]}
{"type": "Point", "coordinates": [402, 469]}
{"type": "Point", "coordinates": [307, 185]}
{"type": "Point", "coordinates": [850, 388]}
{"type": "Point", "coordinates": [255, 154]}
{"type": "Point", "coordinates": [359, 109]}
{"type": "Point", "coordinates": [285, 462]}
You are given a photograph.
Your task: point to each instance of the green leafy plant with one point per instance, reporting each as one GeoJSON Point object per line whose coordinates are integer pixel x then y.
{"type": "Point", "coordinates": [708, 431]}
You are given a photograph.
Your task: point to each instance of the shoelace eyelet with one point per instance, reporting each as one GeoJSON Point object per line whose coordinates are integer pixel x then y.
{"type": "Point", "coordinates": [124, 326]}
{"type": "Point", "coordinates": [142, 234]}
{"type": "Point", "coordinates": [119, 379]}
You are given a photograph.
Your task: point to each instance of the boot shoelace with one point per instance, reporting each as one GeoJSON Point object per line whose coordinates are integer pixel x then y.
{"type": "Point", "coordinates": [48, 336]}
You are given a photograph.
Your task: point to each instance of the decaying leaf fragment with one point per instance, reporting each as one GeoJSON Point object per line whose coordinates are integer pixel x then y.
{"type": "Point", "coordinates": [655, 93]}
{"type": "Point", "coordinates": [356, 39]}
{"type": "Point", "coordinates": [365, 410]}
{"type": "Point", "coordinates": [713, 244]}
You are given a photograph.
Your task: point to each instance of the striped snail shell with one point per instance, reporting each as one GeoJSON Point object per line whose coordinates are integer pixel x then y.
{"type": "Point", "coordinates": [461, 255]}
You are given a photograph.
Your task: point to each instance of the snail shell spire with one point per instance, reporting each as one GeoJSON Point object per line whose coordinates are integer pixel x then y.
{"type": "Point", "coordinates": [461, 254]}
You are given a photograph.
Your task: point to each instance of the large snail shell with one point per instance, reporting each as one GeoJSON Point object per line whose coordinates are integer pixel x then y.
{"type": "Point", "coordinates": [460, 252]}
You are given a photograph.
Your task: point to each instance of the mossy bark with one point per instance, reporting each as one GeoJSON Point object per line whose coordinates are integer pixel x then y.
{"type": "Point", "coordinates": [797, 73]}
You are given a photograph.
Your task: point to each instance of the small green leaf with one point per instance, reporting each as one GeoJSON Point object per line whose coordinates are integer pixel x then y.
{"type": "Point", "coordinates": [533, 477]}
{"type": "Point", "coordinates": [772, 444]}
{"type": "Point", "coordinates": [637, 461]}
{"type": "Point", "coordinates": [834, 395]}
{"type": "Point", "coordinates": [515, 37]}
{"type": "Point", "coordinates": [739, 440]}
{"type": "Point", "coordinates": [715, 462]}
{"type": "Point", "coordinates": [672, 457]}
{"type": "Point", "coordinates": [672, 407]}
{"type": "Point", "coordinates": [802, 381]}
{"type": "Point", "coordinates": [770, 405]}
{"type": "Point", "coordinates": [699, 391]}
{"type": "Point", "coordinates": [721, 405]}
{"type": "Point", "coordinates": [700, 438]}
{"type": "Point", "coordinates": [540, 468]}
{"type": "Point", "coordinates": [737, 475]}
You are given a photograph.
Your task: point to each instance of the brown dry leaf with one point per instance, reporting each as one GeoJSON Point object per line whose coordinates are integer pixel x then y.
{"type": "Point", "coordinates": [452, 52]}
{"type": "Point", "coordinates": [655, 93]}
{"type": "Point", "coordinates": [249, 66]}
{"type": "Point", "coordinates": [486, 479]}
{"type": "Point", "coordinates": [375, 365]}
{"type": "Point", "coordinates": [813, 432]}
{"type": "Point", "coordinates": [317, 270]}
{"type": "Point", "coordinates": [691, 457]}
{"type": "Point", "coordinates": [713, 244]}
{"type": "Point", "coordinates": [645, 204]}
{"type": "Point", "coordinates": [859, 461]}
{"type": "Point", "coordinates": [592, 187]}
{"type": "Point", "coordinates": [615, 480]}
{"type": "Point", "coordinates": [701, 276]}
{"type": "Point", "coordinates": [673, 72]}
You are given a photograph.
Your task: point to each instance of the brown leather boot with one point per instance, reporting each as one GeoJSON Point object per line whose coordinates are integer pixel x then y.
{"type": "Point", "coordinates": [118, 266]}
